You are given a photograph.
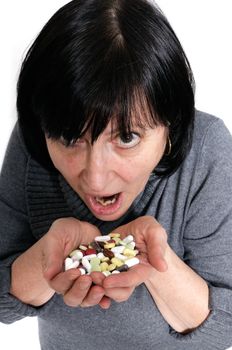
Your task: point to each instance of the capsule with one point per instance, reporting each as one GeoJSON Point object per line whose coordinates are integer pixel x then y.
{"type": "Point", "coordinates": [86, 264]}
{"type": "Point", "coordinates": [83, 247]}
{"type": "Point", "coordinates": [114, 235]}
{"type": "Point", "coordinates": [102, 238]}
{"type": "Point", "coordinates": [90, 256]}
{"type": "Point", "coordinates": [67, 263]}
{"type": "Point", "coordinates": [118, 249]}
{"type": "Point", "coordinates": [82, 271]}
{"type": "Point", "coordinates": [123, 268]}
{"type": "Point", "coordinates": [108, 253]}
{"type": "Point", "coordinates": [95, 245]}
{"type": "Point", "coordinates": [128, 239]}
{"type": "Point", "coordinates": [121, 256]}
{"type": "Point", "coordinates": [100, 255]}
{"type": "Point", "coordinates": [132, 262]}
{"type": "Point", "coordinates": [77, 255]}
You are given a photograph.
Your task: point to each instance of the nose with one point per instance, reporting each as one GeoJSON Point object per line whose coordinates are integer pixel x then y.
{"type": "Point", "coordinates": [97, 172]}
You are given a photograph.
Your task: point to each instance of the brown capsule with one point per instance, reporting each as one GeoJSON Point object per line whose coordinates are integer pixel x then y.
{"type": "Point", "coordinates": [108, 253]}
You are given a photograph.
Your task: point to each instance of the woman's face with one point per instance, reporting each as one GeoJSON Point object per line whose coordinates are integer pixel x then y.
{"type": "Point", "coordinates": [109, 174]}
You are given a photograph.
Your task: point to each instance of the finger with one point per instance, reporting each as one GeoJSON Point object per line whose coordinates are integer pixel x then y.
{"type": "Point", "coordinates": [62, 282]}
{"type": "Point", "coordinates": [133, 277]}
{"type": "Point", "coordinates": [93, 297]}
{"type": "Point", "coordinates": [119, 294]}
{"type": "Point", "coordinates": [156, 257]}
{"type": "Point", "coordinates": [97, 278]}
{"type": "Point", "coordinates": [105, 302]}
{"type": "Point", "coordinates": [76, 294]}
{"type": "Point", "coordinates": [156, 247]}
{"type": "Point", "coordinates": [160, 264]}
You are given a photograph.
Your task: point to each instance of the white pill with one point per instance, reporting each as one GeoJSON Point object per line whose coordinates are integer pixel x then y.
{"type": "Point", "coordinates": [120, 256]}
{"type": "Point", "coordinates": [86, 264]}
{"type": "Point", "coordinates": [131, 245]}
{"type": "Point", "coordinates": [115, 271]}
{"type": "Point", "coordinates": [118, 249]}
{"type": "Point", "coordinates": [73, 252]}
{"type": "Point", "coordinates": [128, 239]}
{"type": "Point", "coordinates": [102, 238]}
{"type": "Point", "coordinates": [74, 265]}
{"type": "Point", "coordinates": [100, 255]}
{"type": "Point", "coordinates": [131, 262]}
{"type": "Point", "coordinates": [78, 255]}
{"type": "Point", "coordinates": [68, 262]}
{"type": "Point", "coordinates": [82, 271]}
{"type": "Point", "coordinates": [90, 256]}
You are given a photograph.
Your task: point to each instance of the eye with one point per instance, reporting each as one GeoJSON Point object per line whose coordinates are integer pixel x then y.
{"type": "Point", "coordinates": [129, 140]}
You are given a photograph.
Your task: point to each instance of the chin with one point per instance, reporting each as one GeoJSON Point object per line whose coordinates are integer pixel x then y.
{"type": "Point", "coordinates": [111, 217]}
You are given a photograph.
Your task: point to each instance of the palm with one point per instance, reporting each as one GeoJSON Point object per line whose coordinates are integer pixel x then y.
{"type": "Point", "coordinates": [150, 241]}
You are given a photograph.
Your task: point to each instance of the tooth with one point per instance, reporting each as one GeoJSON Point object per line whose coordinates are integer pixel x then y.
{"type": "Point", "coordinates": [107, 202]}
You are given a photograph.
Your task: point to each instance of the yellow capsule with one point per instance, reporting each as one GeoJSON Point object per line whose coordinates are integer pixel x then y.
{"type": "Point", "coordinates": [117, 262]}
{"type": "Point", "coordinates": [109, 245]}
{"type": "Point", "coordinates": [104, 266]}
{"type": "Point", "coordinates": [111, 267]}
{"type": "Point", "coordinates": [105, 259]}
{"type": "Point", "coordinates": [115, 235]}
{"type": "Point", "coordinates": [116, 239]}
{"type": "Point", "coordinates": [129, 252]}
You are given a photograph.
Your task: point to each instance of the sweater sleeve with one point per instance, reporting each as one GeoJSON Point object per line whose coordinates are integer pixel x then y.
{"type": "Point", "coordinates": [208, 236]}
{"type": "Point", "coordinates": [15, 233]}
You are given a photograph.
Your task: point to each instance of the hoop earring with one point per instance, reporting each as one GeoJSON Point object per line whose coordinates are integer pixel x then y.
{"type": "Point", "coordinates": [168, 146]}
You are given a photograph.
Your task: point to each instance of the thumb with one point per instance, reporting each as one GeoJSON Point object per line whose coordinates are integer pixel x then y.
{"type": "Point", "coordinates": [156, 249]}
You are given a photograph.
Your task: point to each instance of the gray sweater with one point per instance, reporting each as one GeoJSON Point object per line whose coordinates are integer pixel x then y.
{"type": "Point", "coordinates": [194, 205]}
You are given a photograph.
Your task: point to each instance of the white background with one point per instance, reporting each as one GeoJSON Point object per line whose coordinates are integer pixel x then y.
{"type": "Point", "coordinates": [204, 29]}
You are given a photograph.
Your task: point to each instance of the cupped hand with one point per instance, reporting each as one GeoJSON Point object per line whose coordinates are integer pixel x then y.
{"type": "Point", "coordinates": [64, 236]}
{"type": "Point", "coordinates": [151, 241]}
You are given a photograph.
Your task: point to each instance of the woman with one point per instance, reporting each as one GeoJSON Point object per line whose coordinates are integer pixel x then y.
{"type": "Point", "coordinates": [108, 140]}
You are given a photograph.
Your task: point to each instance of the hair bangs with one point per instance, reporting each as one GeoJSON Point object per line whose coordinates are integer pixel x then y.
{"type": "Point", "coordinates": [112, 91]}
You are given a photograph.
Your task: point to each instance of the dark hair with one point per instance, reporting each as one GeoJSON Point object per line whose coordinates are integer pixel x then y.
{"type": "Point", "coordinates": [101, 60]}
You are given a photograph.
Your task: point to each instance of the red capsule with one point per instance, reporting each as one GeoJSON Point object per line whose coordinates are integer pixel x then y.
{"type": "Point", "coordinates": [110, 241]}
{"type": "Point", "coordinates": [90, 251]}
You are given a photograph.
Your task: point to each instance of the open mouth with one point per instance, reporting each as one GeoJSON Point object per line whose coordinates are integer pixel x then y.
{"type": "Point", "coordinates": [105, 201]}
{"type": "Point", "coordinates": [105, 205]}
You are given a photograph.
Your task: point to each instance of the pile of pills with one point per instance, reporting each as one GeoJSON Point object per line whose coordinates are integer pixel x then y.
{"type": "Point", "coordinates": [107, 254]}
